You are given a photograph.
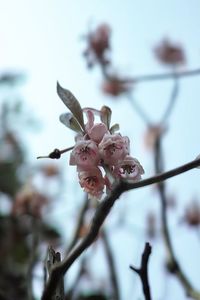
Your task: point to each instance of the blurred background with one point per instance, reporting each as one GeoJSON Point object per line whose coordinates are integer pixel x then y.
{"type": "Point", "coordinates": [42, 42]}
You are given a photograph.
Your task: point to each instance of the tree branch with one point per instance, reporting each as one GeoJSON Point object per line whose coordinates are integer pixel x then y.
{"type": "Point", "coordinates": [162, 76]}
{"type": "Point", "coordinates": [79, 224]}
{"type": "Point", "coordinates": [174, 264]}
{"type": "Point", "coordinates": [111, 264]}
{"type": "Point", "coordinates": [172, 100]}
{"type": "Point", "coordinates": [59, 269]}
{"type": "Point", "coordinates": [143, 271]}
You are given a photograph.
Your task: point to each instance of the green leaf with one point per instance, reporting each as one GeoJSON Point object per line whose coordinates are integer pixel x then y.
{"type": "Point", "coordinates": [114, 128]}
{"type": "Point", "coordinates": [68, 120]}
{"type": "Point", "coordinates": [72, 104]}
{"type": "Point", "coordinates": [105, 115]}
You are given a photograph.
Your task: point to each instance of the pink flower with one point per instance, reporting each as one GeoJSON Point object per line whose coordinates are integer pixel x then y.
{"type": "Point", "coordinates": [129, 168]}
{"type": "Point", "coordinates": [169, 53]}
{"type": "Point", "coordinates": [95, 131]}
{"type": "Point", "coordinates": [113, 148]}
{"type": "Point", "coordinates": [92, 181]}
{"type": "Point", "coordinates": [98, 46]}
{"type": "Point", "coordinates": [116, 86]}
{"type": "Point", "coordinates": [85, 154]}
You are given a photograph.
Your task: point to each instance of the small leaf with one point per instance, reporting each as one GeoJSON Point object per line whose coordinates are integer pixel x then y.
{"type": "Point", "coordinates": [198, 157]}
{"type": "Point", "coordinates": [105, 115]}
{"type": "Point", "coordinates": [68, 120]}
{"type": "Point", "coordinates": [72, 104]}
{"type": "Point", "coordinates": [114, 128]}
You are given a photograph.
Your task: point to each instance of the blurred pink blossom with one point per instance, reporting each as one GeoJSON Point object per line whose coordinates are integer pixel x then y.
{"type": "Point", "coordinates": [98, 45]}
{"type": "Point", "coordinates": [152, 134]}
{"type": "Point", "coordinates": [192, 214]}
{"type": "Point", "coordinates": [29, 201]}
{"type": "Point", "coordinates": [115, 86]}
{"type": "Point", "coordinates": [169, 53]}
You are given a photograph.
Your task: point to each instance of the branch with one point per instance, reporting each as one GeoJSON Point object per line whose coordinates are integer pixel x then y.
{"type": "Point", "coordinates": [111, 264]}
{"type": "Point", "coordinates": [136, 106]}
{"type": "Point", "coordinates": [33, 257]}
{"type": "Point", "coordinates": [52, 260]}
{"type": "Point", "coordinates": [59, 269]}
{"type": "Point", "coordinates": [174, 264]}
{"type": "Point", "coordinates": [172, 100]}
{"type": "Point", "coordinates": [79, 224]}
{"type": "Point", "coordinates": [162, 76]}
{"type": "Point", "coordinates": [143, 271]}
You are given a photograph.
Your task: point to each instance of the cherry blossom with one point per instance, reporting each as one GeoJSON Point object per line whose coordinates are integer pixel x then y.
{"type": "Point", "coordinates": [113, 148]}
{"type": "Point", "coordinates": [95, 131]}
{"type": "Point", "coordinates": [129, 168]}
{"type": "Point", "coordinates": [85, 154]}
{"type": "Point", "coordinates": [92, 181]}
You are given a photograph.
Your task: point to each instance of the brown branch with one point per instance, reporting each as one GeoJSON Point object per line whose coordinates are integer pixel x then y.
{"type": "Point", "coordinates": [143, 271]}
{"type": "Point", "coordinates": [79, 224]}
{"type": "Point", "coordinates": [111, 264]}
{"type": "Point", "coordinates": [53, 259]}
{"type": "Point", "coordinates": [101, 213]}
{"type": "Point", "coordinates": [174, 264]}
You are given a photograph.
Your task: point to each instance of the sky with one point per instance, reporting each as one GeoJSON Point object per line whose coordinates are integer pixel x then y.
{"type": "Point", "coordinates": [44, 39]}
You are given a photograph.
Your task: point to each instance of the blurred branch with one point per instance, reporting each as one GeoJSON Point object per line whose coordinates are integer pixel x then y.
{"type": "Point", "coordinates": [174, 264]}
{"type": "Point", "coordinates": [33, 258]}
{"type": "Point", "coordinates": [111, 264]}
{"type": "Point", "coordinates": [162, 76]}
{"type": "Point", "coordinates": [79, 224]}
{"type": "Point", "coordinates": [58, 270]}
{"type": "Point", "coordinates": [143, 271]}
{"type": "Point", "coordinates": [172, 100]}
{"type": "Point", "coordinates": [138, 109]}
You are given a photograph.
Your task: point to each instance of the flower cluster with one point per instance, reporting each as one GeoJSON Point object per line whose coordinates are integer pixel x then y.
{"type": "Point", "coordinates": [99, 150]}
{"type": "Point", "coordinates": [101, 155]}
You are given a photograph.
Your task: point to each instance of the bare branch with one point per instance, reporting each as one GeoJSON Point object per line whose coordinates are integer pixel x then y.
{"type": "Point", "coordinates": [111, 264]}
{"type": "Point", "coordinates": [143, 271]}
{"type": "Point", "coordinates": [162, 76]}
{"type": "Point", "coordinates": [79, 224]}
{"type": "Point", "coordinates": [101, 213]}
{"type": "Point", "coordinates": [174, 264]}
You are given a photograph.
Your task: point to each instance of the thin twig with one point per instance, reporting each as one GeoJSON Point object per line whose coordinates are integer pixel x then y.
{"type": "Point", "coordinates": [100, 215]}
{"type": "Point", "coordinates": [111, 264]}
{"type": "Point", "coordinates": [79, 224]}
{"type": "Point", "coordinates": [143, 271]}
{"type": "Point", "coordinates": [138, 109]}
{"type": "Point", "coordinates": [172, 100]}
{"type": "Point", "coordinates": [33, 258]}
{"type": "Point", "coordinates": [162, 76]}
{"type": "Point", "coordinates": [174, 264]}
